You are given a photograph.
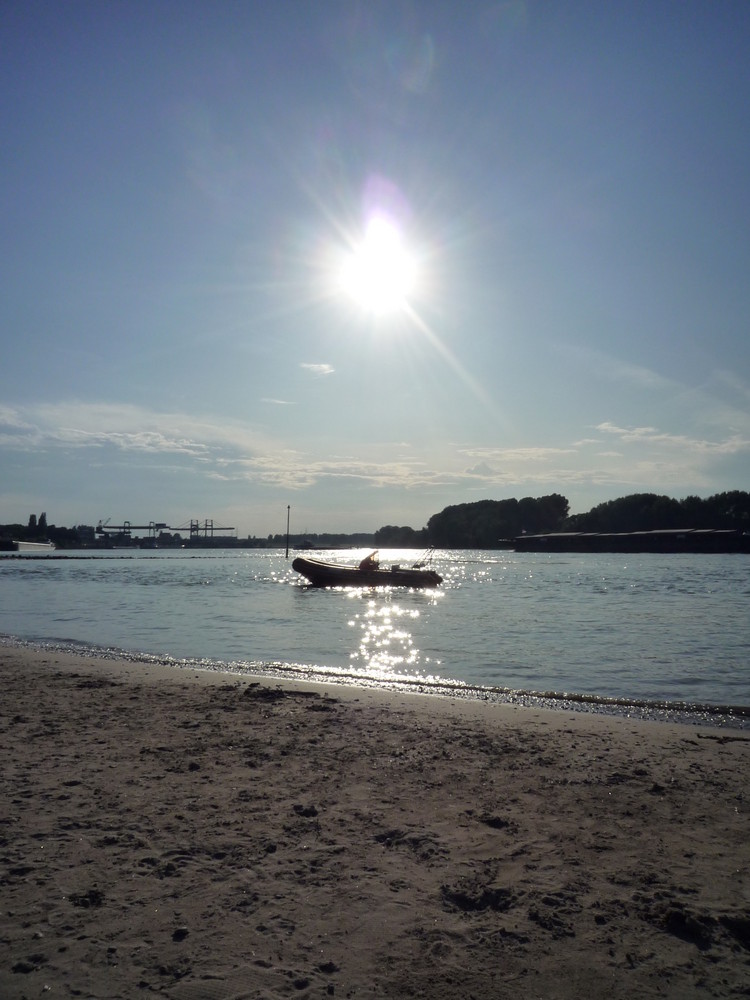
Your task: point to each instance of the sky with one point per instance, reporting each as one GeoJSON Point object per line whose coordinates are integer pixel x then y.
{"type": "Point", "coordinates": [366, 260]}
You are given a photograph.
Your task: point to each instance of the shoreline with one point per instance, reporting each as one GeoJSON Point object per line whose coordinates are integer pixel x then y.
{"type": "Point", "coordinates": [205, 835]}
{"type": "Point", "coordinates": [683, 713]}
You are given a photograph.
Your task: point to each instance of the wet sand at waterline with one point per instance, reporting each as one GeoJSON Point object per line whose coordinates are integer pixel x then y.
{"type": "Point", "coordinates": [199, 836]}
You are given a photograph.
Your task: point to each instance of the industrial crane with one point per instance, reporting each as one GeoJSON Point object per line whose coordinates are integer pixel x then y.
{"type": "Point", "coordinates": [196, 529]}
{"type": "Point", "coordinates": [105, 528]}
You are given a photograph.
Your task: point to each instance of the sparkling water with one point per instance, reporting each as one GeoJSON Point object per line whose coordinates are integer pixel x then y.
{"type": "Point", "coordinates": [647, 627]}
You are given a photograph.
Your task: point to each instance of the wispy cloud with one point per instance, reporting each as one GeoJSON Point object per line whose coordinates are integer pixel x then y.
{"type": "Point", "coordinates": [733, 383]}
{"type": "Point", "coordinates": [514, 456]}
{"type": "Point", "coordinates": [120, 426]}
{"type": "Point", "coordinates": [616, 369]}
{"type": "Point", "coordinates": [316, 368]}
{"type": "Point", "coordinates": [295, 470]}
{"type": "Point", "coordinates": [651, 437]}
{"type": "Point", "coordinates": [222, 451]}
{"type": "Point", "coordinates": [720, 400]}
{"type": "Point", "coordinates": [614, 459]}
{"type": "Point", "coordinates": [642, 458]}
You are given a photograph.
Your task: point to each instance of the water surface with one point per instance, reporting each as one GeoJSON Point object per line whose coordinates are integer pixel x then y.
{"type": "Point", "coordinates": [635, 628]}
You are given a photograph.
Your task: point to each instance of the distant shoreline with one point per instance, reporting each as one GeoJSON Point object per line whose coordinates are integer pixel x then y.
{"type": "Point", "coordinates": [692, 541]}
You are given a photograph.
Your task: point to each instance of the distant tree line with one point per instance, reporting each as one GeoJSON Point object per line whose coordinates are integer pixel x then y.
{"type": "Point", "coordinates": [487, 523]}
{"type": "Point", "coordinates": [483, 524]}
{"type": "Point", "coordinates": [653, 512]}
{"type": "Point", "coordinates": [392, 536]}
{"type": "Point", "coordinates": [491, 523]}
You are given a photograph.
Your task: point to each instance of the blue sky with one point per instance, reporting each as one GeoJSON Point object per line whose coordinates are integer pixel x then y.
{"type": "Point", "coordinates": [181, 184]}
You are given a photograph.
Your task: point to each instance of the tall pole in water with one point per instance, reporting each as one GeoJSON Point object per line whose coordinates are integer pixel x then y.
{"type": "Point", "coordinates": [287, 530]}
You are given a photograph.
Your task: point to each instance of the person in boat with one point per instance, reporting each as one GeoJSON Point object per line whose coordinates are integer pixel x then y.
{"type": "Point", "coordinates": [370, 562]}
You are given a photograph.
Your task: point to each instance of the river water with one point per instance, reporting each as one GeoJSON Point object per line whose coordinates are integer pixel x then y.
{"type": "Point", "coordinates": [636, 628]}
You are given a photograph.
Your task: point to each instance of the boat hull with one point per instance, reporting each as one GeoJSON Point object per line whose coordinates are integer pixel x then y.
{"type": "Point", "coordinates": [325, 574]}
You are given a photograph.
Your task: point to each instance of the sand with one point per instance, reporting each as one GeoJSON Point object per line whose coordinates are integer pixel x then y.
{"type": "Point", "coordinates": [192, 835]}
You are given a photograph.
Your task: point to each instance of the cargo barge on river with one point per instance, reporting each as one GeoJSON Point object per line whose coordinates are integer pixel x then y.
{"type": "Point", "coordinates": [674, 540]}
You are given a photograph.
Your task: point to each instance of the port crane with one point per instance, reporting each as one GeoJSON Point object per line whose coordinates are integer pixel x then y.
{"type": "Point", "coordinates": [196, 528]}
{"type": "Point", "coordinates": [205, 530]}
{"type": "Point", "coordinates": [105, 528]}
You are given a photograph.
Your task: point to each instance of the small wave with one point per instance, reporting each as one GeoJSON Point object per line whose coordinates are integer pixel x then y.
{"type": "Point", "coordinates": [698, 714]}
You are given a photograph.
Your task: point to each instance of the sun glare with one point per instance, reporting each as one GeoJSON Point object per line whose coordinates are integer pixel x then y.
{"type": "Point", "coordinates": [379, 274]}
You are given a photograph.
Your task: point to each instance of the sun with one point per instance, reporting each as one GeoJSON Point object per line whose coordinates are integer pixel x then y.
{"type": "Point", "coordinates": [379, 274]}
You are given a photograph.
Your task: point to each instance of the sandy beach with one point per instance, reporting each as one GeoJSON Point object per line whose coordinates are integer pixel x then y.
{"type": "Point", "coordinates": [200, 836]}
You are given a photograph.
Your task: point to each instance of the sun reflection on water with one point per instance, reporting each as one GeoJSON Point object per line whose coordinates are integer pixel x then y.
{"type": "Point", "coordinates": [386, 644]}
